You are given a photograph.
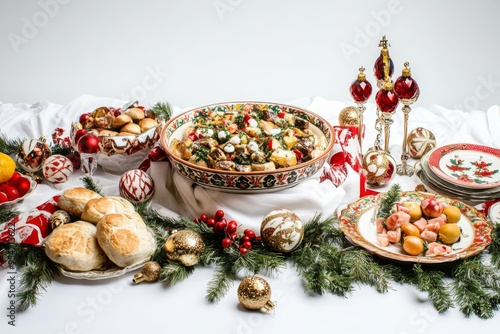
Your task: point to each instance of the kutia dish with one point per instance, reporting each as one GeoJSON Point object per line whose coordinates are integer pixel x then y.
{"type": "Point", "coordinates": [261, 132]}
{"type": "Point", "coordinates": [358, 226]}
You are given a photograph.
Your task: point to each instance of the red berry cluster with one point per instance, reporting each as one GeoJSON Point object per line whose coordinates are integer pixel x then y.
{"type": "Point", "coordinates": [229, 231]}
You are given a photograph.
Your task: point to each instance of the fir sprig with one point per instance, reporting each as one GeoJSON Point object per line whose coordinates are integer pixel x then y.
{"type": "Point", "coordinates": [7, 213]}
{"type": "Point", "coordinates": [476, 287]}
{"type": "Point", "coordinates": [90, 184]}
{"type": "Point", "coordinates": [9, 146]}
{"type": "Point", "coordinates": [494, 248]}
{"type": "Point", "coordinates": [388, 200]}
{"type": "Point", "coordinates": [173, 273]}
{"type": "Point", "coordinates": [37, 274]}
{"type": "Point", "coordinates": [432, 282]}
{"type": "Point", "coordinates": [162, 110]}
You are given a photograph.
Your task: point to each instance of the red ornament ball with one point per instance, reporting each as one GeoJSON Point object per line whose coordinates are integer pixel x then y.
{"type": "Point", "coordinates": [136, 186]}
{"type": "Point", "coordinates": [88, 143]}
{"type": "Point", "coordinates": [23, 185]}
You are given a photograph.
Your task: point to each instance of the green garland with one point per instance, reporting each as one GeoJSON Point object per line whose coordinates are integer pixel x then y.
{"type": "Point", "coordinates": [325, 260]}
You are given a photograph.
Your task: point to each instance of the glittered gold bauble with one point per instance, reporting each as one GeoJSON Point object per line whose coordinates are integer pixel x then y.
{"type": "Point", "coordinates": [185, 247]}
{"type": "Point", "coordinates": [379, 167]}
{"type": "Point", "coordinates": [419, 142]}
{"type": "Point", "coordinates": [150, 272]}
{"type": "Point", "coordinates": [349, 116]}
{"type": "Point", "coordinates": [32, 154]}
{"type": "Point", "coordinates": [282, 230]}
{"type": "Point", "coordinates": [254, 293]}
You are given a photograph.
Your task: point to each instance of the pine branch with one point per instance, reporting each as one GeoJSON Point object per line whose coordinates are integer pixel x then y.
{"type": "Point", "coordinates": [388, 200]}
{"type": "Point", "coordinates": [494, 248]}
{"type": "Point", "coordinates": [9, 146]}
{"type": "Point", "coordinates": [90, 184]}
{"type": "Point", "coordinates": [261, 261]}
{"type": "Point", "coordinates": [59, 149]}
{"type": "Point", "coordinates": [7, 213]}
{"type": "Point", "coordinates": [432, 281]}
{"type": "Point", "coordinates": [222, 280]}
{"type": "Point", "coordinates": [173, 273]}
{"type": "Point", "coordinates": [475, 288]}
{"type": "Point", "coordinates": [361, 267]}
{"type": "Point", "coordinates": [162, 110]}
{"type": "Point", "coordinates": [37, 274]}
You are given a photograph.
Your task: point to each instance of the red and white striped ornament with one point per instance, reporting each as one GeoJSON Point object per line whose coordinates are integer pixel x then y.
{"type": "Point", "coordinates": [136, 186]}
{"type": "Point", "coordinates": [57, 168]}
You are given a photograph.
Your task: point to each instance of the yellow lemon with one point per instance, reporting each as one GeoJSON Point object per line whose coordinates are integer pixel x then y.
{"type": "Point", "coordinates": [413, 245]}
{"type": "Point", "coordinates": [452, 213]}
{"type": "Point", "coordinates": [7, 167]}
{"type": "Point", "coordinates": [449, 233]}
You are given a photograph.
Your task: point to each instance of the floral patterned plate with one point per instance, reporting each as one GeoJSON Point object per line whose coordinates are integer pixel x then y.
{"type": "Point", "coordinates": [357, 224]}
{"type": "Point", "coordinates": [467, 165]}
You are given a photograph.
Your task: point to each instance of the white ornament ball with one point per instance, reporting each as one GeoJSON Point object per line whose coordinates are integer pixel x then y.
{"type": "Point", "coordinates": [419, 142]}
{"type": "Point", "coordinates": [282, 230]}
{"type": "Point", "coordinates": [31, 155]}
{"type": "Point", "coordinates": [379, 167]}
{"type": "Point", "coordinates": [136, 186]}
{"type": "Point", "coordinates": [57, 168]}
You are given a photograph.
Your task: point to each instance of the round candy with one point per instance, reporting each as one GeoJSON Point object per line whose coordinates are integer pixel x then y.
{"type": "Point", "coordinates": [420, 141]}
{"type": "Point", "coordinates": [136, 186]}
{"type": "Point", "coordinates": [282, 230]}
{"type": "Point", "coordinates": [57, 168]}
{"type": "Point", "coordinates": [31, 155]}
{"type": "Point", "coordinates": [379, 167]}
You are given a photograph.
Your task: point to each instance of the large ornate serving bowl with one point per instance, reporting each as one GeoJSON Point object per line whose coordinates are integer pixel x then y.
{"type": "Point", "coordinates": [246, 181]}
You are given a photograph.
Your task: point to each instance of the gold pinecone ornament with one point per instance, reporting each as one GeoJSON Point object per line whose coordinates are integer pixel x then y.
{"type": "Point", "coordinates": [185, 247]}
{"type": "Point", "coordinates": [150, 272]}
{"type": "Point", "coordinates": [254, 293]}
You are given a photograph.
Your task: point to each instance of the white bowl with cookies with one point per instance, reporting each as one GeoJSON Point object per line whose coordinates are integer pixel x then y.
{"type": "Point", "coordinates": [126, 135]}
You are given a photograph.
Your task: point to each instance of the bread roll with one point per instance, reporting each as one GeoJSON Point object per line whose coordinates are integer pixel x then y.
{"type": "Point", "coordinates": [97, 208]}
{"type": "Point", "coordinates": [135, 113]}
{"type": "Point", "coordinates": [125, 238]}
{"type": "Point", "coordinates": [121, 120]}
{"type": "Point", "coordinates": [73, 200]}
{"type": "Point", "coordinates": [147, 123]}
{"type": "Point", "coordinates": [74, 246]}
{"type": "Point", "coordinates": [131, 128]}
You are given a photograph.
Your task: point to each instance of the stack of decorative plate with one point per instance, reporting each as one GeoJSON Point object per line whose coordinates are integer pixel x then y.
{"type": "Point", "coordinates": [468, 172]}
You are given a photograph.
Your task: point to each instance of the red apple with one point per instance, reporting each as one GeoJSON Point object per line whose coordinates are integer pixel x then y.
{"type": "Point", "coordinates": [14, 178]}
{"type": "Point", "coordinates": [23, 185]}
{"type": "Point", "coordinates": [84, 118]}
{"type": "Point", "coordinates": [11, 193]}
{"type": "Point", "coordinates": [432, 207]}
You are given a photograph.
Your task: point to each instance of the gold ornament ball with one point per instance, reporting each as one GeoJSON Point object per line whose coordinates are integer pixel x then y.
{"type": "Point", "coordinates": [185, 247]}
{"type": "Point", "coordinates": [282, 230]}
{"type": "Point", "coordinates": [379, 167]}
{"type": "Point", "coordinates": [420, 141]}
{"type": "Point", "coordinates": [150, 272]}
{"type": "Point", "coordinates": [349, 116]}
{"type": "Point", "coordinates": [254, 293]}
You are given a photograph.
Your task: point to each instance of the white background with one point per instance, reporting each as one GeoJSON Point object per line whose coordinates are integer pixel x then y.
{"type": "Point", "coordinates": [207, 51]}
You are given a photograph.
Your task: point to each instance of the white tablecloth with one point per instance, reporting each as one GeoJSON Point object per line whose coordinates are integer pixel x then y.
{"type": "Point", "coordinates": [114, 305]}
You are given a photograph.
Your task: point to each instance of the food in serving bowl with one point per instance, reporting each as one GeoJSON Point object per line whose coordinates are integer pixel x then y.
{"type": "Point", "coordinates": [247, 146]}
{"type": "Point", "coordinates": [126, 135]}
